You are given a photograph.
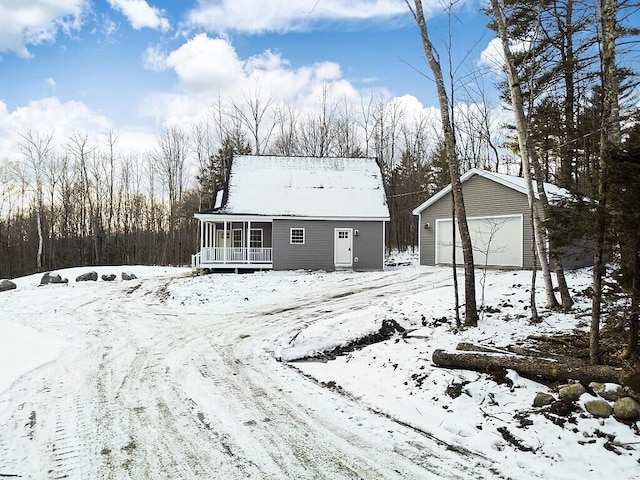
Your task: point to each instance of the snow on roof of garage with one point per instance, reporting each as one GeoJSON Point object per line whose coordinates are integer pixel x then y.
{"type": "Point", "coordinates": [306, 187]}
{"type": "Point", "coordinates": [516, 183]}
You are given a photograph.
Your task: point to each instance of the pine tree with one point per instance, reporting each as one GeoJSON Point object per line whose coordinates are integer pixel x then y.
{"type": "Point", "coordinates": [213, 177]}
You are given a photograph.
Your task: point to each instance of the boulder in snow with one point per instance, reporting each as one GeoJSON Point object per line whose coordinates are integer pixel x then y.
{"type": "Point", "coordinates": [7, 285]}
{"type": "Point", "coordinates": [571, 392]}
{"type": "Point", "coordinates": [128, 276]}
{"type": "Point", "coordinates": [542, 399]}
{"type": "Point", "coordinates": [109, 278]}
{"type": "Point", "coordinates": [627, 408]}
{"type": "Point", "coordinates": [48, 278]}
{"type": "Point", "coordinates": [86, 277]}
{"type": "Point", "coordinates": [610, 392]}
{"type": "Point", "coordinates": [599, 408]}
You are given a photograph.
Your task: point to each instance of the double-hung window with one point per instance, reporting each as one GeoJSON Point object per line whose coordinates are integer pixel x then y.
{"type": "Point", "coordinates": [296, 236]}
{"type": "Point", "coordinates": [255, 238]}
{"type": "Point", "coordinates": [237, 238]}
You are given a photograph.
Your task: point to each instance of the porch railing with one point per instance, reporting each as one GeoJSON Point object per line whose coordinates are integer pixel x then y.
{"type": "Point", "coordinates": [195, 260]}
{"type": "Point", "coordinates": [234, 255]}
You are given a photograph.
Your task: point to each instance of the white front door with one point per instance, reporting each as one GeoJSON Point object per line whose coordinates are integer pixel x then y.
{"type": "Point", "coordinates": [221, 238]}
{"type": "Point", "coordinates": [343, 242]}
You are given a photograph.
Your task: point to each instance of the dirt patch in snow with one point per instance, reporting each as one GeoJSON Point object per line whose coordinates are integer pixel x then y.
{"type": "Point", "coordinates": [388, 329]}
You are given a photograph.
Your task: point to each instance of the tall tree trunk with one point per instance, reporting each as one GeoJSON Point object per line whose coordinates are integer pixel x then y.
{"type": "Point", "coordinates": [527, 151]}
{"type": "Point", "coordinates": [565, 296]}
{"type": "Point", "coordinates": [40, 239]}
{"type": "Point", "coordinates": [609, 137]}
{"type": "Point", "coordinates": [454, 266]}
{"type": "Point", "coordinates": [569, 68]}
{"type": "Point", "coordinates": [471, 311]}
{"type": "Point", "coordinates": [534, 272]}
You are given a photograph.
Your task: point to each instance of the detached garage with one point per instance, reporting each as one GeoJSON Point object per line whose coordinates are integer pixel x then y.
{"type": "Point", "coordinates": [498, 217]}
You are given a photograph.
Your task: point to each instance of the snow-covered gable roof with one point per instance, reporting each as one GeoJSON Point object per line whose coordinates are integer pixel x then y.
{"type": "Point", "coordinates": [305, 187]}
{"type": "Point", "coordinates": [519, 184]}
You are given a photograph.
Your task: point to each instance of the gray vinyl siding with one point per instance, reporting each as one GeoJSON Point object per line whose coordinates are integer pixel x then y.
{"type": "Point", "coordinates": [317, 253]}
{"type": "Point", "coordinates": [482, 197]}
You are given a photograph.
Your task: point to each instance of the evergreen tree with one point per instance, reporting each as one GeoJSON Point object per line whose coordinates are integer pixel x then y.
{"type": "Point", "coordinates": [624, 202]}
{"type": "Point", "coordinates": [213, 177]}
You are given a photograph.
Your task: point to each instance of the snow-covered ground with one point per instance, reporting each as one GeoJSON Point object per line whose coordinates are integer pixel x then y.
{"type": "Point", "coordinates": [173, 376]}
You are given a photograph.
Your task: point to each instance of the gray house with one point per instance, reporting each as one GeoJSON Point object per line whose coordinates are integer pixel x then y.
{"type": "Point", "coordinates": [287, 213]}
{"type": "Point", "coordinates": [499, 222]}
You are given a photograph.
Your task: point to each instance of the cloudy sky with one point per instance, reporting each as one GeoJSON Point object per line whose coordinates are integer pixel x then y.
{"type": "Point", "coordinates": [137, 65]}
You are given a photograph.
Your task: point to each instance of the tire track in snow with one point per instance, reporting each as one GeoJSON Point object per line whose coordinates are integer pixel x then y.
{"type": "Point", "coordinates": [161, 394]}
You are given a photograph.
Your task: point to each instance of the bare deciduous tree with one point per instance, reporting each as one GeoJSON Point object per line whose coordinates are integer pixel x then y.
{"type": "Point", "coordinates": [471, 312]}
{"type": "Point", "coordinates": [253, 115]}
{"type": "Point", "coordinates": [527, 152]}
{"type": "Point", "coordinates": [37, 150]}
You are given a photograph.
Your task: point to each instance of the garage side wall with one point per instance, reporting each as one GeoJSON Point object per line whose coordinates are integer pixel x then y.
{"type": "Point", "coordinates": [482, 197]}
{"type": "Point", "coordinates": [317, 252]}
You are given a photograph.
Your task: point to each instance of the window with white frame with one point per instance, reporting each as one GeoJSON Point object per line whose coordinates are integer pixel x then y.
{"type": "Point", "coordinates": [237, 238]}
{"type": "Point", "coordinates": [297, 236]}
{"type": "Point", "coordinates": [255, 238]}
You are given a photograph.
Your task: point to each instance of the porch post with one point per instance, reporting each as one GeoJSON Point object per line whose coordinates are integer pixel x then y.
{"type": "Point", "coordinates": [212, 241]}
{"type": "Point", "coordinates": [224, 251]}
{"type": "Point", "coordinates": [248, 241]}
{"type": "Point", "coordinates": [203, 227]}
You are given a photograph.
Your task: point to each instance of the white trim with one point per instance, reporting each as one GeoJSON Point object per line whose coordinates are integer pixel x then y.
{"type": "Point", "coordinates": [336, 219]}
{"type": "Point", "coordinates": [219, 217]}
{"type": "Point", "coordinates": [304, 236]}
{"type": "Point", "coordinates": [384, 243]}
{"type": "Point", "coordinates": [436, 260]}
{"type": "Point", "coordinates": [419, 238]}
{"type": "Point", "coordinates": [501, 178]}
{"type": "Point", "coordinates": [335, 250]}
{"type": "Point", "coordinates": [248, 227]}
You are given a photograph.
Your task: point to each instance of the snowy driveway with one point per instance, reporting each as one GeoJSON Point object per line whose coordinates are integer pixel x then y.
{"type": "Point", "coordinates": [177, 377]}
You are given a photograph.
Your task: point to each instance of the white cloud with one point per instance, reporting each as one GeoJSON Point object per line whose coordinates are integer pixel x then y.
{"type": "Point", "coordinates": [492, 57]}
{"type": "Point", "coordinates": [109, 27]}
{"type": "Point", "coordinates": [154, 59]}
{"type": "Point", "coordinates": [282, 15]}
{"type": "Point", "coordinates": [32, 22]}
{"type": "Point", "coordinates": [208, 69]}
{"type": "Point", "coordinates": [47, 115]}
{"type": "Point", "coordinates": [205, 63]}
{"type": "Point", "coordinates": [141, 15]}
{"type": "Point", "coordinates": [51, 83]}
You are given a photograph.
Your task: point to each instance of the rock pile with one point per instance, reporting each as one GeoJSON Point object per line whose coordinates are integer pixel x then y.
{"type": "Point", "coordinates": [609, 399]}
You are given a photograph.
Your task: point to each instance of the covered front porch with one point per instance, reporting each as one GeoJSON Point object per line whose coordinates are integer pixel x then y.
{"type": "Point", "coordinates": [233, 242]}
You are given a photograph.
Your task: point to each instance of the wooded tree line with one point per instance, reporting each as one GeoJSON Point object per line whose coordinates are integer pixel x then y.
{"type": "Point", "coordinates": [82, 201]}
{"type": "Point", "coordinates": [88, 205]}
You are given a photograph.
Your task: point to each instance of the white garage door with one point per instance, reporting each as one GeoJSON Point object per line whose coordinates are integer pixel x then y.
{"type": "Point", "coordinates": [496, 241]}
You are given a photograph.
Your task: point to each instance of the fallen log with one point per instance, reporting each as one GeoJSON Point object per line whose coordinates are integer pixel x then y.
{"type": "Point", "coordinates": [535, 368]}
{"type": "Point", "coordinates": [525, 352]}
